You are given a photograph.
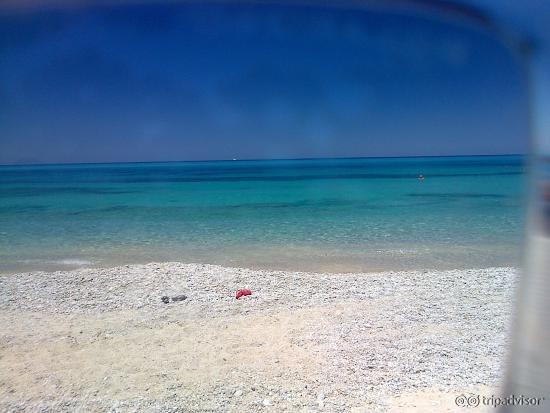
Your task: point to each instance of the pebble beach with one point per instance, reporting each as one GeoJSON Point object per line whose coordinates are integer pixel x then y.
{"type": "Point", "coordinates": [171, 337]}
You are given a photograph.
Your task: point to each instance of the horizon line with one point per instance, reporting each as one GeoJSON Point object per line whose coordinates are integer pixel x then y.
{"type": "Point", "coordinates": [262, 159]}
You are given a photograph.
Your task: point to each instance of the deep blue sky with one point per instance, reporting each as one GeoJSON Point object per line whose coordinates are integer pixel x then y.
{"type": "Point", "coordinates": [150, 83]}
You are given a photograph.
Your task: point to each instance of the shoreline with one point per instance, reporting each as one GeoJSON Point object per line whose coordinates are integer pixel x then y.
{"type": "Point", "coordinates": [102, 338]}
{"type": "Point", "coordinates": [301, 259]}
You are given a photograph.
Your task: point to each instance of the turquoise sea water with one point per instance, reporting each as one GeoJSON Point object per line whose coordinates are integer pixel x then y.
{"type": "Point", "coordinates": [322, 215]}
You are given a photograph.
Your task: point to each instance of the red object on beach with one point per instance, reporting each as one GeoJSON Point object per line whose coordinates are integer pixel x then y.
{"type": "Point", "coordinates": [242, 293]}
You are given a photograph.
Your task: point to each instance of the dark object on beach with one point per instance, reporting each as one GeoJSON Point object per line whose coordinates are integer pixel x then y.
{"type": "Point", "coordinates": [242, 293]}
{"type": "Point", "coordinates": [165, 299]}
{"type": "Point", "coordinates": [179, 298]}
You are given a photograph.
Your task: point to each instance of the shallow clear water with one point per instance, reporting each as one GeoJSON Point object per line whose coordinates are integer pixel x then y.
{"type": "Point", "coordinates": [327, 215]}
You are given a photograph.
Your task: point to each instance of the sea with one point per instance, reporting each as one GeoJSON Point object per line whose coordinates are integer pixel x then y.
{"type": "Point", "coordinates": [335, 215]}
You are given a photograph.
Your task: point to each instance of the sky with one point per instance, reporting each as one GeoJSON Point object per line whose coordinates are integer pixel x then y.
{"type": "Point", "coordinates": [198, 82]}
